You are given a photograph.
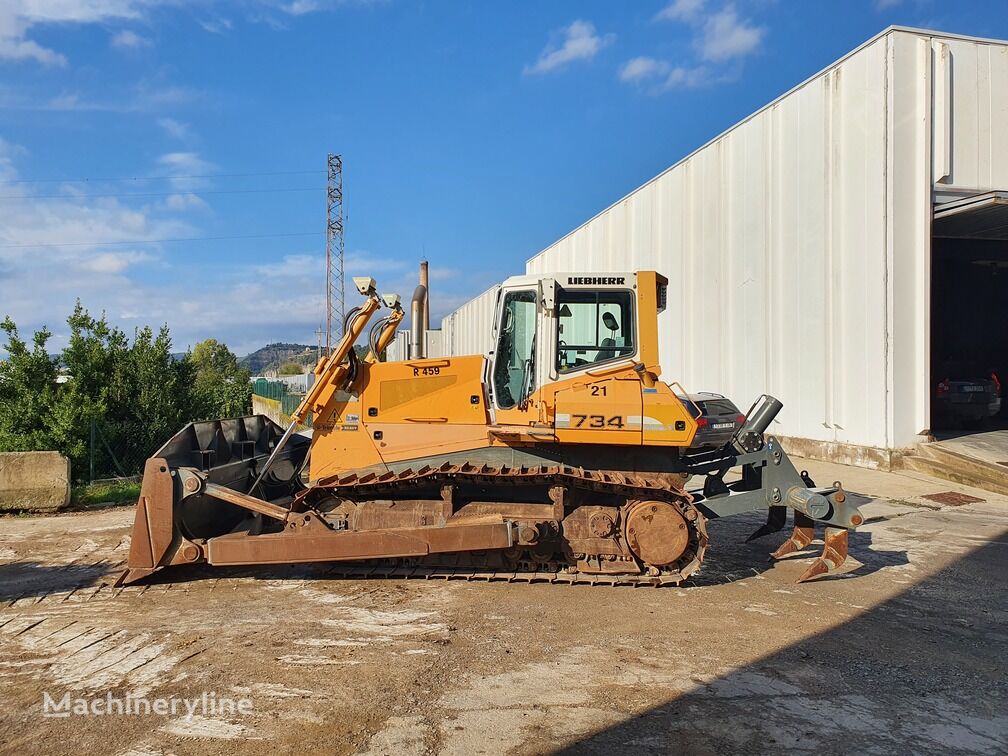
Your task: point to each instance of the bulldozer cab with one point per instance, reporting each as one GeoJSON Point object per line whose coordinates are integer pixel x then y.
{"type": "Point", "coordinates": [569, 325]}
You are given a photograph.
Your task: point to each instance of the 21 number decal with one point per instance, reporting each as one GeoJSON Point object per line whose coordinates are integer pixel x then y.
{"type": "Point", "coordinates": [598, 421]}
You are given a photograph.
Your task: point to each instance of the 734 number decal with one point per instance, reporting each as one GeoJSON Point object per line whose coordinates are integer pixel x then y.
{"type": "Point", "coordinates": [597, 421]}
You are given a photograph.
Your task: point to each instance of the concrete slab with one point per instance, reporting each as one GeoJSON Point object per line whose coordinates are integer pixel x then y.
{"type": "Point", "coordinates": [990, 447]}
{"type": "Point", "coordinates": [900, 487]}
{"type": "Point", "coordinates": [34, 481]}
{"type": "Point", "coordinates": [904, 650]}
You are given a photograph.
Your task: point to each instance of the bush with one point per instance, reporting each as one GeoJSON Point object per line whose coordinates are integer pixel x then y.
{"type": "Point", "coordinates": [137, 394]}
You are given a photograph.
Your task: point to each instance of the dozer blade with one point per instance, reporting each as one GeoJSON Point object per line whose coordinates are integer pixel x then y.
{"type": "Point", "coordinates": [183, 499]}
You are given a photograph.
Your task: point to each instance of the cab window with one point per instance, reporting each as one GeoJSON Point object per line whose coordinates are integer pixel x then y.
{"type": "Point", "coordinates": [514, 360]}
{"type": "Point", "coordinates": [593, 327]}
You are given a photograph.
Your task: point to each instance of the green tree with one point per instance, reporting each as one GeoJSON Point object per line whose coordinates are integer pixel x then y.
{"type": "Point", "coordinates": [28, 391]}
{"type": "Point", "coordinates": [134, 395]}
{"type": "Point", "coordinates": [220, 387]}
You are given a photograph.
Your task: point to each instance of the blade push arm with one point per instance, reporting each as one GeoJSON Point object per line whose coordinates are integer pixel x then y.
{"type": "Point", "coordinates": [333, 374]}
{"type": "Point", "coordinates": [387, 326]}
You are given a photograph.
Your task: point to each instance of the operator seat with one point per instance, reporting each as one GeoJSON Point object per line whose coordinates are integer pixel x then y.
{"type": "Point", "coordinates": [608, 345]}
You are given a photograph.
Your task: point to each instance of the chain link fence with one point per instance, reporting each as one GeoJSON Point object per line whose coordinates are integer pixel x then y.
{"type": "Point", "coordinates": [115, 454]}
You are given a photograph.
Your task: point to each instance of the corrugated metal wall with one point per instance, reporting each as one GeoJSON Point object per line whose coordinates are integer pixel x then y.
{"type": "Point", "coordinates": [797, 244]}
{"type": "Point", "coordinates": [469, 330]}
{"type": "Point", "coordinates": [398, 350]}
{"type": "Point", "coordinates": [971, 113]}
{"type": "Point", "coordinates": [432, 343]}
{"type": "Point", "coordinates": [773, 240]}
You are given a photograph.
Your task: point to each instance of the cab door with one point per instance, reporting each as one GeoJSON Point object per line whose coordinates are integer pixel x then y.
{"type": "Point", "coordinates": [514, 373]}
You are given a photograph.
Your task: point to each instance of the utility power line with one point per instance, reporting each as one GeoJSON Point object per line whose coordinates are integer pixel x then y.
{"type": "Point", "coordinates": [156, 194]}
{"type": "Point", "coordinates": [157, 241]}
{"type": "Point", "coordinates": [157, 178]}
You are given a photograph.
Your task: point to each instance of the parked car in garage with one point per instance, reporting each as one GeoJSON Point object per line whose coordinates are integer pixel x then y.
{"type": "Point", "coordinates": [966, 396]}
{"type": "Point", "coordinates": [717, 418]}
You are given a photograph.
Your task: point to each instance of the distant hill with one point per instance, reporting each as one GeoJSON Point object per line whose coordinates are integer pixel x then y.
{"type": "Point", "coordinates": [272, 356]}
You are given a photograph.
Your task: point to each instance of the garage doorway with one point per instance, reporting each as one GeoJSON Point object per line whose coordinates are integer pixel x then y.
{"type": "Point", "coordinates": [969, 316]}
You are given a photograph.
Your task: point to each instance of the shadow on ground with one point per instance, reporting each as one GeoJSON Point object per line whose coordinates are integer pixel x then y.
{"type": "Point", "coordinates": [20, 580]}
{"type": "Point", "coordinates": [730, 558]}
{"type": "Point", "coordinates": [924, 672]}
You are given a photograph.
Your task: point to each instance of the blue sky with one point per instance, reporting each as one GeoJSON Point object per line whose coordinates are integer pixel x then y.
{"type": "Point", "coordinates": [473, 134]}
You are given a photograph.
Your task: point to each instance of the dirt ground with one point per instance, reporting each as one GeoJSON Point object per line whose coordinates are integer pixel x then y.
{"type": "Point", "coordinates": [904, 651]}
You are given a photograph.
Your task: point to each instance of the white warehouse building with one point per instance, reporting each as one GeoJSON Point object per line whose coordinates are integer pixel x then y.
{"type": "Point", "coordinates": [835, 249]}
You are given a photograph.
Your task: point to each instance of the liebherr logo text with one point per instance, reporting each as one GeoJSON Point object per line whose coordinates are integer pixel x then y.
{"type": "Point", "coordinates": [596, 281]}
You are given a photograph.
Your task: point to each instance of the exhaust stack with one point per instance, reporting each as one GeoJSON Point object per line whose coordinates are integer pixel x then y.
{"type": "Point", "coordinates": [419, 316]}
{"type": "Point", "coordinates": [426, 301]}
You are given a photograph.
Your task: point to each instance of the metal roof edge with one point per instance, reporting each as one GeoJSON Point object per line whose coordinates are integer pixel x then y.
{"type": "Point", "coordinates": [943, 35]}
{"type": "Point", "coordinates": [788, 93]}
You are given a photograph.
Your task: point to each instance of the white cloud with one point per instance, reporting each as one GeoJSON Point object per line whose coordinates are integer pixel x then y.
{"type": "Point", "coordinates": [215, 25]}
{"type": "Point", "coordinates": [886, 4]}
{"type": "Point", "coordinates": [188, 168]}
{"type": "Point", "coordinates": [143, 99]}
{"type": "Point", "coordinates": [8, 152]}
{"type": "Point", "coordinates": [18, 17]}
{"type": "Point", "coordinates": [680, 10]}
{"type": "Point", "coordinates": [301, 7]}
{"type": "Point", "coordinates": [185, 201]}
{"type": "Point", "coordinates": [662, 76]}
{"type": "Point", "coordinates": [175, 129]}
{"type": "Point", "coordinates": [718, 37]}
{"type": "Point", "coordinates": [292, 266]}
{"type": "Point", "coordinates": [129, 40]}
{"type": "Point", "coordinates": [580, 42]}
{"type": "Point", "coordinates": [726, 36]}
{"type": "Point", "coordinates": [640, 68]}
{"type": "Point", "coordinates": [113, 263]}
{"type": "Point", "coordinates": [362, 263]}
{"type": "Point", "coordinates": [687, 77]}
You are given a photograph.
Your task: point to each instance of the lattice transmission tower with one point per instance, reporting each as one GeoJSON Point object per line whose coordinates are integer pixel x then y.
{"type": "Point", "coordinates": [335, 283]}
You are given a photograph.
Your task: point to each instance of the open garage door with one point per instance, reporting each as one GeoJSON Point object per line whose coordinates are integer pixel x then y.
{"type": "Point", "coordinates": [969, 315]}
{"type": "Point", "coordinates": [978, 216]}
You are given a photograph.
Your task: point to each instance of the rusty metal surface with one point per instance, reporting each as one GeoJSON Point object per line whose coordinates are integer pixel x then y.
{"type": "Point", "coordinates": [551, 523]}
{"type": "Point", "coordinates": [245, 501]}
{"type": "Point", "coordinates": [585, 503]}
{"type": "Point", "coordinates": [153, 527]}
{"type": "Point", "coordinates": [953, 498]}
{"type": "Point", "coordinates": [801, 536]}
{"type": "Point", "coordinates": [656, 531]}
{"type": "Point", "coordinates": [445, 522]}
{"type": "Point", "coordinates": [315, 542]}
{"type": "Point", "coordinates": [834, 554]}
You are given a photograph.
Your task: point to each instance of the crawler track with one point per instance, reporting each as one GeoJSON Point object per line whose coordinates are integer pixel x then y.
{"type": "Point", "coordinates": [568, 488]}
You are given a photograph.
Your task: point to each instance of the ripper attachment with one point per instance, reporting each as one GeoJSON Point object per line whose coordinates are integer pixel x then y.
{"type": "Point", "coordinates": [771, 482]}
